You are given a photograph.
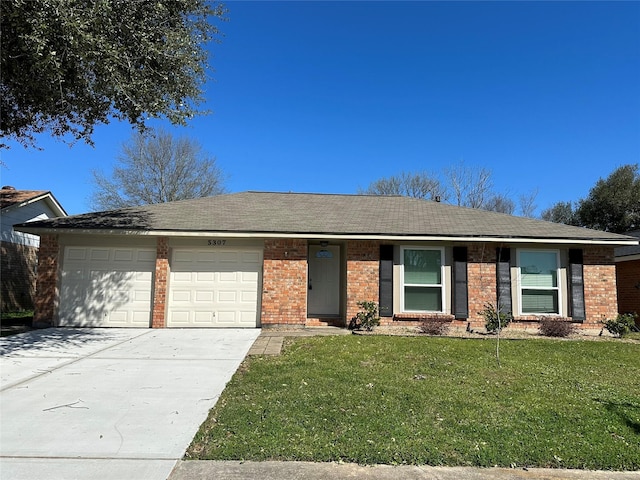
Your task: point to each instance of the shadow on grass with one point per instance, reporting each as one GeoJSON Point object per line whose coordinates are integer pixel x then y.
{"type": "Point", "coordinates": [50, 339]}
{"type": "Point", "coordinates": [621, 409]}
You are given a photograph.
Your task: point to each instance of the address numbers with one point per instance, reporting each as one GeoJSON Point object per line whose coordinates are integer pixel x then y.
{"type": "Point", "coordinates": [216, 243]}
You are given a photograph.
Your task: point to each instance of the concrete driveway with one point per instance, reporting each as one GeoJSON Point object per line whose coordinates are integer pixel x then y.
{"type": "Point", "coordinates": [109, 403]}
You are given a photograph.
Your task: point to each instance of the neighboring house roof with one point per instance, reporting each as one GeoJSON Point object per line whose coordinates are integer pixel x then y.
{"type": "Point", "coordinates": [12, 198]}
{"type": "Point", "coordinates": [629, 252]}
{"type": "Point", "coordinates": [323, 216]}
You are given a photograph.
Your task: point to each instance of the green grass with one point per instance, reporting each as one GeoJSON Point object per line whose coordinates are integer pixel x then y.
{"type": "Point", "coordinates": [23, 315]}
{"type": "Point", "coordinates": [436, 401]}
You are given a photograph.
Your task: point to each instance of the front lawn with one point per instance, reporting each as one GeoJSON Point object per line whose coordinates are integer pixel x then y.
{"type": "Point", "coordinates": [436, 401]}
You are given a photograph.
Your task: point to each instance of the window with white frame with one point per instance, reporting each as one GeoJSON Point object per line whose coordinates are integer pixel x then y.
{"type": "Point", "coordinates": [539, 289]}
{"type": "Point", "coordinates": [422, 279]}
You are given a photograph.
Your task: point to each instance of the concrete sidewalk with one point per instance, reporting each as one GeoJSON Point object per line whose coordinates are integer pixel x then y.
{"type": "Point", "coordinates": [233, 470]}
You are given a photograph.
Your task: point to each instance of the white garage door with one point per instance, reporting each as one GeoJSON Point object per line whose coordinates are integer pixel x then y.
{"type": "Point", "coordinates": [214, 288]}
{"type": "Point", "coordinates": [106, 287]}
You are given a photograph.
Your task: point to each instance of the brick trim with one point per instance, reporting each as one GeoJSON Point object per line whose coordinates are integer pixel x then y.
{"type": "Point", "coordinates": [160, 284]}
{"type": "Point", "coordinates": [284, 282]}
{"type": "Point", "coordinates": [363, 271]}
{"type": "Point", "coordinates": [47, 280]}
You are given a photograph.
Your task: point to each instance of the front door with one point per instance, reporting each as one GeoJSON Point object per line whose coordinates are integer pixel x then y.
{"type": "Point", "coordinates": [323, 299]}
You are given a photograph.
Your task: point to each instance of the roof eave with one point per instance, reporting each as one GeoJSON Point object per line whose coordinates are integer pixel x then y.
{"type": "Point", "coordinates": [328, 236]}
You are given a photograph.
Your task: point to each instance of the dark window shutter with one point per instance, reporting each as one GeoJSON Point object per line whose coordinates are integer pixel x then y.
{"type": "Point", "coordinates": [503, 278]}
{"type": "Point", "coordinates": [460, 286]}
{"type": "Point", "coordinates": [386, 280]}
{"type": "Point", "coordinates": [576, 285]}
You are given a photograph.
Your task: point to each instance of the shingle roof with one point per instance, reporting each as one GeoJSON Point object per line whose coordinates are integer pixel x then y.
{"type": "Point", "coordinates": [324, 214]}
{"type": "Point", "coordinates": [630, 250]}
{"type": "Point", "coordinates": [11, 196]}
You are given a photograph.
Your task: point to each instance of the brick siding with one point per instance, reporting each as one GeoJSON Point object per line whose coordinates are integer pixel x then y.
{"type": "Point", "coordinates": [160, 284]}
{"type": "Point", "coordinates": [18, 276]}
{"type": "Point", "coordinates": [600, 296]}
{"type": "Point", "coordinates": [284, 282]}
{"type": "Point", "coordinates": [46, 280]}
{"type": "Point", "coordinates": [363, 271]}
{"type": "Point", "coordinates": [628, 282]}
{"type": "Point", "coordinates": [481, 278]}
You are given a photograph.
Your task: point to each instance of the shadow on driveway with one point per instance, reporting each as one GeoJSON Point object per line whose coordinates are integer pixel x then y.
{"type": "Point", "coordinates": [56, 340]}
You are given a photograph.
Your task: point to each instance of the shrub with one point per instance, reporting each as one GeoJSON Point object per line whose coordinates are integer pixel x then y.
{"type": "Point", "coordinates": [551, 327]}
{"type": "Point", "coordinates": [493, 321]}
{"type": "Point", "coordinates": [621, 325]}
{"type": "Point", "coordinates": [367, 318]}
{"type": "Point", "coordinates": [434, 327]}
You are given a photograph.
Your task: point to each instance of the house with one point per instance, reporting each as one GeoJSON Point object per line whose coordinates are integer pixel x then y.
{"type": "Point", "coordinates": [628, 277]}
{"type": "Point", "coordinates": [18, 250]}
{"type": "Point", "coordinates": [258, 259]}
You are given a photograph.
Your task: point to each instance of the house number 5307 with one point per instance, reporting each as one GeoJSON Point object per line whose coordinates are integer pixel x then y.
{"type": "Point", "coordinates": [216, 243]}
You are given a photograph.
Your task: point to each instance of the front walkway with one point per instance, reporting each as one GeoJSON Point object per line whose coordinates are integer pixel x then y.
{"type": "Point", "coordinates": [271, 340]}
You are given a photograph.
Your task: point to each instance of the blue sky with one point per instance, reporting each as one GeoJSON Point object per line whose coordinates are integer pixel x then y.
{"type": "Point", "coordinates": [330, 96]}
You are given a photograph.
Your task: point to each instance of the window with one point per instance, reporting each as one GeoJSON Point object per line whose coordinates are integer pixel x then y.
{"type": "Point", "coordinates": [539, 291]}
{"type": "Point", "coordinates": [422, 287]}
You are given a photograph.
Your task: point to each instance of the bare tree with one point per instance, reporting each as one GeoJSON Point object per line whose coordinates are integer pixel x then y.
{"type": "Point", "coordinates": [499, 202]}
{"type": "Point", "coordinates": [156, 167]}
{"type": "Point", "coordinates": [468, 186]}
{"type": "Point", "coordinates": [416, 185]}
{"type": "Point", "coordinates": [528, 203]}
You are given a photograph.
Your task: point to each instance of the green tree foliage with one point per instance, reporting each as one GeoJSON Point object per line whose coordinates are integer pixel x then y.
{"type": "Point", "coordinates": [156, 167]}
{"type": "Point", "coordinates": [561, 212]}
{"type": "Point", "coordinates": [69, 65]}
{"type": "Point", "coordinates": [613, 204]}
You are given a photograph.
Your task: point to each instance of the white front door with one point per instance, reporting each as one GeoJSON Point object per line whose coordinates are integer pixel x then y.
{"type": "Point", "coordinates": [324, 281]}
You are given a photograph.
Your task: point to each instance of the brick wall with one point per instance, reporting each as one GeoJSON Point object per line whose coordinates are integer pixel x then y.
{"type": "Point", "coordinates": [600, 297]}
{"type": "Point", "coordinates": [284, 282]}
{"type": "Point", "coordinates": [46, 280]}
{"type": "Point", "coordinates": [628, 282]}
{"type": "Point", "coordinates": [481, 277]}
{"type": "Point", "coordinates": [363, 268]}
{"type": "Point", "coordinates": [160, 284]}
{"type": "Point", "coordinates": [18, 276]}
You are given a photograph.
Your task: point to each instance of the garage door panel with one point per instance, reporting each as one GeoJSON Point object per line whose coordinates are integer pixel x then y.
{"type": "Point", "coordinates": [229, 276]}
{"type": "Point", "coordinates": [99, 254]}
{"type": "Point", "coordinates": [227, 296]}
{"type": "Point", "coordinates": [217, 281]}
{"type": "Point", "coordinates": [204, 277]}
{"type": "Point", "coordinates": [106, 287]}
{"type": "Point", "coordinates": [203, 296]}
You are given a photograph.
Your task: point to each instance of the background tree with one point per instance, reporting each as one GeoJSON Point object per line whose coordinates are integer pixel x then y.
{"type": "Point", "coordinates": [613, 204]}
{"type": "Point", "coordinates": [416, 185]}
{"type": "Point", "coordinates": [458, 184]}
{"type": "Point", "coordinates": [155, 167]}
{"type": "Point", "coordinates": [468, 186]}
{"type": "Point", "coordinates": [68, 66]}
{"type": "Point", "coordinates": [561, 212]}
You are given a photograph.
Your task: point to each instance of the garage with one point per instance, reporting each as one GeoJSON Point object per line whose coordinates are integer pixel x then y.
{"type": "Point", "coordinates": [214, 288]}
{"type": "Point", "coordinates": [106, 286]}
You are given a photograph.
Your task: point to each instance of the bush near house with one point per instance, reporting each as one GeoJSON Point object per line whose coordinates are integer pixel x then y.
{"type": "Point", "coordinates": [621, 325]}
{"type": "Point", "coordinates": [431, 400]}
{"type": "Point", "coordinates": [551, 327]}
